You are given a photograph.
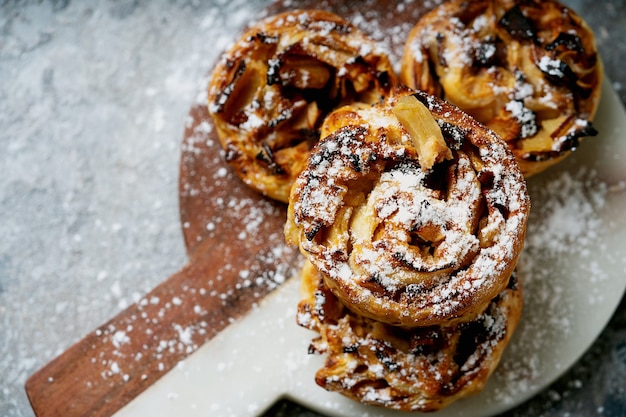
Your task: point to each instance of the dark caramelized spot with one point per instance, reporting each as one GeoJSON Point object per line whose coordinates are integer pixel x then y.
{"type": "Point", "coordinates": [406, 166]}
{"type": "Point", "coordinates": [517, 25]}
{"type": "Point", "coordinates": [437, 178]}
{"type": "Point", "coordinates": [350, 348]}
{"type": "Point", "coordinates": [513, 284]}
{"type": "Point", "coordinates": [485, 177]}
{"type": "Point", "coordinates": [273, 68]}
{"type": "Point", "coordinates": [222, 98]}
{"type": "Point", "coordinates": [425, 341]}
{"type": "Point", "coordinates": [312, 231]}
{"type": "Point", "coordinates": [440, 38]}
{"type": "Point", "coordinates": [485, 53]}
{"type": "Point", "coordinates": [563, 142]}
{"type": "Point", "coordinates": [369, 386]}
{"type": "Point", "coordinates": [342, 29]}
{"type": "Point", "coordinates": [436, 89]}
{"type": "Point", "coordinates": [559, 73]}
{"type": "Point", "coordinates": [355, 162]}
{"type": "Point", "coordinates": [539, 156]}
{"type": "Point", "coordinates": [360, 369]}
{"type": "Point", "coordinates": [266, 39]}
{"type": "Point", "coordinates": [493, 203]}
{"type": "Point", "coordinates": [386, 360]}
{"type": "Point", "coordinates": [331, 309]}
{"type": "Point", "coordinates": [359, 60]}
{"type": "Point", "coordinates": [427, 101]}
{"type": "Point", "coordinates": [472, 335]}
{"type": "Point", "coordinates": [283, 116]}
{"type": "Point", "coordinates": [384, 79]}
{"type": "Point", "coordinates": [502, 209]}
{"type": "Point", "coordinates": [453, 135]}
{"type": "Point", "coordinates": [373, 281]}
{"type": "Point", "coordinates": [526, 120]}
{"type": "Point", "coordinates": [417, 240]}
{"type": "Point", "coordinates": [232, 152]}
{"type": "Point", "coordinates": [572, 140]}
{"type": "Point", "coordinates": [267, 156]}
{"type": "Point", "coordinates": [569, 41]}
{"type": "Point", "coordinates": [491, 51]}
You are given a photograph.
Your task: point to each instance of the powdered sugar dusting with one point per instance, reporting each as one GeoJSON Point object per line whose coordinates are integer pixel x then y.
{"type": "Point", "coordinates": [82, 232]}
{"type": "Point", "coordinates": [566, 222]}
{"type": "Point", "coordinates": [370, 359]}
{"type": "Point", "coordinates": [406, 237]}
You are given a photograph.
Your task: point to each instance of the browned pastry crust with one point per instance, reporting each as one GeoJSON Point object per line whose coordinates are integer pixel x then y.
{"type": "Point", "coordinates": [270, 92]}
{"type": "Point", "coordinates": [528, 69]}
{"type": "Point", "coordinates": [400, 243]}
{"type": "Point", "coordinates": [418, 369]}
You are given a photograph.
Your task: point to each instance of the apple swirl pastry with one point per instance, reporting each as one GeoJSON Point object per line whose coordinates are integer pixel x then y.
{"type": "Point", "coordinates": [413, 212]}
{"type": "Point", "coordinates": [529, 70]}
{"type": "Point", "coordinates": [269, 93]}
{"type": "Point", "coordinates": [408, 369]}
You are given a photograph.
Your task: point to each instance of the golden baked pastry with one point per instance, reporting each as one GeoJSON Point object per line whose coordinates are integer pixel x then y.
{"type": "Point", "coordinates": [396, 240]}
{"type": "Point", "coordinates": [417, 369]}
{"type": "Point", "coordinates": [527, 69]}
{"type": "Point", "coordinates": [270, 92]}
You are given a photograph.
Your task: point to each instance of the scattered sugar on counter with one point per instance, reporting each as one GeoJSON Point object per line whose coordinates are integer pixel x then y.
{"type": "Point", "coordinates": [566, 221]}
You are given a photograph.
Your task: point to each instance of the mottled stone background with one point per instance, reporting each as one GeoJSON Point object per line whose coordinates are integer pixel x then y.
{"type": "Point", "coordinates": [93, 101]}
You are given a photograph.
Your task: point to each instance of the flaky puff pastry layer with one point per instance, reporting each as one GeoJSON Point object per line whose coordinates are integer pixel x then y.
{"type": "Point", "coordinates": [417, 369]}
{"type": "Point", "coordinates": [269, 93]}
{"type": "Point", "coordinates": [404, 230]}
{"type": "Point", "coordinates": [527, 69]}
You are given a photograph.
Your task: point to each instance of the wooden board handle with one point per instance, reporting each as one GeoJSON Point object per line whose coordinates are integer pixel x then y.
{"type": "Point", "coordinates": [113, 364]}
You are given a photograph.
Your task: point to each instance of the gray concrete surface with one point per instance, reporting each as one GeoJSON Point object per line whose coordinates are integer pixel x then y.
{"type": "Point", "coordinates": [93, 101]}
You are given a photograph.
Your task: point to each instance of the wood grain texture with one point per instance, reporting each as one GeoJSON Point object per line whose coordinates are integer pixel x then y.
{"type": "Point", "coordinates": [101, 373]}
{"type": "Point", "coordinates": [117, 361]}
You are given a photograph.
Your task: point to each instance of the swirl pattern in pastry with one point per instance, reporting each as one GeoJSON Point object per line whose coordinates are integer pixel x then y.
{"type": "Point", "coordinates": [527, 69]}
{"type": "Point", "coordinates": [269, 93]}
{"type": "Point", "coordinates": [417, 369]}
{"type": "Point", "coordinates": [400, 243]}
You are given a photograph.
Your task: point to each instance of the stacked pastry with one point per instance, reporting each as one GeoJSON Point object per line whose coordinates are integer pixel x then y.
{"type": "Point", "coordinates": [411, 216]}
{"type": "Point", "coordinates": [409, 204]}
{"type": "Point", "coordinates": [422, 368]}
